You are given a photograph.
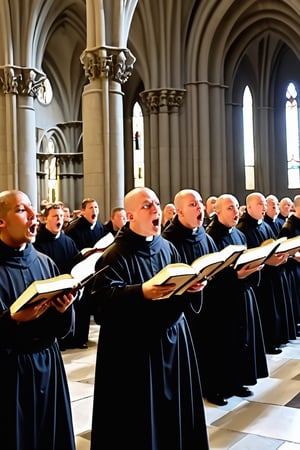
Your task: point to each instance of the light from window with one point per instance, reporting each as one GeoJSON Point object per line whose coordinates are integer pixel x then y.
{"type": "Point", "coordinates": [292, 139]}
{"type": "Point", "coordinates": [248, 139]}
{"type": "Point", "coordinates": [138, 145]}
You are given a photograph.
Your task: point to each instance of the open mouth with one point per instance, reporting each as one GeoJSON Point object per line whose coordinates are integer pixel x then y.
{"type": "Point", "coordinates": [199, 217]}
{"type": "Point", "coordinates": [155, 222]}
{"type": "Point", "coordinates": [32, 228]}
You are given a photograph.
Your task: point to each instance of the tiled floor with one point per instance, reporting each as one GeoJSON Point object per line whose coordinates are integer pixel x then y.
{"type": "Point", "coordinates": [268, 420]}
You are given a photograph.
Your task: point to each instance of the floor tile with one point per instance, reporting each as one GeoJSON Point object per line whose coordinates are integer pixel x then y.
{"type": "Point", "coordinates": [269, 420]}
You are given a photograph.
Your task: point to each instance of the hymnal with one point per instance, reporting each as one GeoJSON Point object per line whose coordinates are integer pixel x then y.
{"type": "Point", "coordinates": [203, 268]}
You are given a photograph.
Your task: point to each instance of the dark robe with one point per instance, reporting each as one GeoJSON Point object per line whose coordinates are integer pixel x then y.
{"type": "Point", "coordinates": [273, 291]}
{"type": "Point", "coordinates": [290, 229]}
{"type": "Point", "coordinates": [83, 233]}
{"type": "Point", "coordinates": [84, 236]}
{"type": "Point", "coordinates": [191, 244]}
{"type": "Point", "coordinates": [36, 412]}
{"type": "Point", "coordinates": [147, 386]}
{"type": "Point", "coordinates": [61, 248]}
{"type": "Point", "coordinates": [230, 319]}
{"type": "Point", "coordinates": [275, 224]}
{"type": "Point", "coordinates": [281, 219]}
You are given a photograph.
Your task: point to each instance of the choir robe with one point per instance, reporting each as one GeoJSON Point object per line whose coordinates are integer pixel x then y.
{"type": "Point", "coordinates": [191, 244]}
{"type": "Point", "coordinates": [232, 303]}
{"type": "Point", "coordinates": [275, 224]}
{"type": "Point", "coordinates": [85, 235]}
{"type": "Point", "coordinates": [60, 247]}
{"type": "Point", "coordinates": [290, 229]}
{"type": "Point", "coordinates": [273, 292]}
{"type": "Point", "coordinates": [147, 386]}
{"type": "Point", "coordinates": [36, 413]}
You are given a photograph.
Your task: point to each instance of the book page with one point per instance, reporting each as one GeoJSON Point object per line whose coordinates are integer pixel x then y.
{"type": "Point", "coordinates": [291, 246]}
{"type": "Point", "coordinates": [44, 289]}
{"type": "Point", "coordinates": [105, 241]}
{"type": "Point", "coordinates": [178, 273]}
{"type": "Point", "coordinates": [257, 255]}
{"type": "Point", "coordinates": [207, 264]}
{"type": "Point", "coordinates": [86, 267]}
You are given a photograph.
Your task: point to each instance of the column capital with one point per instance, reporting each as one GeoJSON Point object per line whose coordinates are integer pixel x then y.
{"type": "Point", "coordinates": [20, 80]}
{"type": "Point", "coordinates": [158, 100]}
{"type": "Point", "coordinates": [112, 62]}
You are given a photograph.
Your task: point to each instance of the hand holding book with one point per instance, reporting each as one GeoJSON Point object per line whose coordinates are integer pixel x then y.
{"type": "Point", "coordinates": [34, 310]}
{"type": "Point", "coordinates": [45, 291]}
{"type": "Point", "coordinates": [193, 277]}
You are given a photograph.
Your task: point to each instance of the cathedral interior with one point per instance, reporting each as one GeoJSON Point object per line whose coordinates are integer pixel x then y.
{"type": "Point", "coordinates": [98, 97]}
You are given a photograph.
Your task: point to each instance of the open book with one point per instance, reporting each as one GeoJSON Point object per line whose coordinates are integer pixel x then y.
{"type": "Point", "coordinates": [257, 256]}
{"type": "Point", "coordinates": [203, 268]}
{"type": "Point", "coordinates": [100, 245]}
{"type": "Point", "coordinates": [45, 290]}
{"type": "Point", "coordinates": [289, 245]}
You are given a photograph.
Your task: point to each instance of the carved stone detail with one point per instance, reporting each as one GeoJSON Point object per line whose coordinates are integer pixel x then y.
{"type": "Point", "coordinates": [158, 99]}
{"type": "Point", "coordinates": [21, 80]}
{"type": "Point", "coordinates": [116, 63]}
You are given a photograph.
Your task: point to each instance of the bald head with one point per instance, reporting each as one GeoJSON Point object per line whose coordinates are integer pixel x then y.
{"type": "Point", "coordinates": [256, 205]}
{"type": "Point", "coordinates": [143, 211]}
{"type": "Point", "coordinates": [272, 206]}
{"type": "Point", "coordinates": [225, 199]}
{"type": "Point", "coordinates": [132, 197]}
{"type": "Point", "coordinates": [297, 205]}
{"type": "Point", "coordinates": [210, 204]}
{"type": "Point", "coordinates": [297, 201]}
{"type": "Point", "coordinates": [285, 206]}
{"type": "Point", "coordinates": [227, 210]}
{"type": "Point", "coordinates": [6, 198]}
{"type": "Point", "coordinates": [181, 196]}
{"type": "Point", "coordinates": [190, 208]}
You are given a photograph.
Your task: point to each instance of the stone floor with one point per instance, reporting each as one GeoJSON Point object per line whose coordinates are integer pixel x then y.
{"type": "Point", "coordinates": [268, 420]}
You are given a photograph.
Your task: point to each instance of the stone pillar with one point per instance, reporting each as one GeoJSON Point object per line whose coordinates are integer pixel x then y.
{"type": "Point", "coordinates": [102, 110]}
{"type": "Point", "coordinates": [19, 86]}
{"type": "Point", "coordinates": [162, 157]}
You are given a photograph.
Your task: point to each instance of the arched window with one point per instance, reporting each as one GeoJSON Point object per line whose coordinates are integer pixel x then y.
{"type": "Point", "coordinates": [138, 145]}
{"type": "Point", "coordinates": [292, 137]}
{"type": "Point", "coordinates": [248, 139]}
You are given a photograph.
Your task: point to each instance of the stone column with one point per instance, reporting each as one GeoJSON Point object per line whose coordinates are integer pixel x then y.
{"type": "Point", "coordinates": [107, 68]}
{"type": "Point", "coordinates": [163, 155]}
{"type": "Point", "coordinates": [19, 86]}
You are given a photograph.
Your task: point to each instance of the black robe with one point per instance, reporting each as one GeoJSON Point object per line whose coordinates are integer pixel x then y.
{"type": "Point", "coordinates": [85, 236]}
{"type": "Point", "coordinates": [83, 233]}
{"type": "Point", "coordinates": [230, 319]}
{"type": "Point", "coordinates": [275, 224]}
{"type": "Point", "coordinates": [290, 229]}
{"type": "Point", "coordinates": [191, 244]}
{"type": "Point", "coordinates": [147, 386]}
{"type": "Point", "coordinates": [273, 292]}
{"type": "Point", "coordinates": [62, 249]}
{"type": "Point", "coordinates": [36, 412]}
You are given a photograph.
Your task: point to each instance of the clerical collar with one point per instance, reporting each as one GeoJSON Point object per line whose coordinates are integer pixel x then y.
{"type": "Point", "coordinates": [149, 238]}
{"type": "Point", "coordinates": [259, 222]}
{"type": "Point", "coordinates": [93, 226]}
